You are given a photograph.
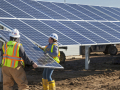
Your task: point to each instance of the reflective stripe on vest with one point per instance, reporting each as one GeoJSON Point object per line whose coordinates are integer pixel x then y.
{"type": "Point", "coordinates": [4, 50]}
{"type": "Point", "coordinates": [57, 57]}
{"type": "Point", "coordinates": [11, 60]}
{"type": "Point", "coordinates": [58, 50]}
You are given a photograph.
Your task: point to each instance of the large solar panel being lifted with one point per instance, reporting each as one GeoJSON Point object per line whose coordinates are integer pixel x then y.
{"type": "Point", "coordinates": [34, 53]}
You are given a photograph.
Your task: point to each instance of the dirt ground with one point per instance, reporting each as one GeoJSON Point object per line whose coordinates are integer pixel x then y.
{"type": "Point", "coordinates": [102, 75]}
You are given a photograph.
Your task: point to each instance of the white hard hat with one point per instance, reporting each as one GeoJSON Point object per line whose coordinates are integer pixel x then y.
{"type": "Point", "coordinates": [14, 33]}
{"type": "Point", "coordinates": [54, 36]}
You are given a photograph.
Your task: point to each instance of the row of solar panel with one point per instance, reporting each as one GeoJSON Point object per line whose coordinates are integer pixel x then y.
{"type": "Point", "coordinates": [77, 32]}
{"type": "Point", "coordinates": [50, 10]}
{"type": "Point", "coordinates": [34, 53]}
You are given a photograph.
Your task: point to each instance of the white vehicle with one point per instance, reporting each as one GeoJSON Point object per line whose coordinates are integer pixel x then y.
{"type": "Point", "coordinates": [80, 50]}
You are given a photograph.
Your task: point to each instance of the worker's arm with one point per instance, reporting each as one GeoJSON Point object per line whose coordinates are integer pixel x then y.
{"type": "Point", "coordinates": [26, 59]}
{"type": "Point", "coordinates": [55, 51]}
{"type": "Point", "coordinates": [41, 47]}
{"type": "Point", "coordinates": [1, 52]}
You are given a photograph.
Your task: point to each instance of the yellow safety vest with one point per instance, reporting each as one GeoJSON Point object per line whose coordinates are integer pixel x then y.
{"type": "Point", "coordinates": [11, 54]}
{"type": "Point", "coordinates": [57, 57]}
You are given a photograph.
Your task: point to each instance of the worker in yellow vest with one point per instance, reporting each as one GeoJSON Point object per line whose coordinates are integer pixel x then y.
{"type": "Point", "coordinates": [53, 50]}
{"type": "Point", "coordinates": [14, 58]}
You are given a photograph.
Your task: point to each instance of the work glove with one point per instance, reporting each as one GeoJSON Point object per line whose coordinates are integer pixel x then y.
{"type": "Point", "coordinates": [41, 47]}
{"type": "Point", "coordinates": [45, 53]}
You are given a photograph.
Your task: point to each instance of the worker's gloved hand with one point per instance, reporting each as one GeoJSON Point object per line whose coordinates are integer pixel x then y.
{"type": "Point", "coordinates": [35, 65]}
{"type": "Point", "coordinates": [41, 48]}
{"type": "Point", "coordinates": [46, 53]}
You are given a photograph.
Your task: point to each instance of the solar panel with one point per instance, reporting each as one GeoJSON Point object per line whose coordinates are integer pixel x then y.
{"type": "Point", "coordinates": [67, 31]}
{"type": "Point", "coordinates": [108, 13]}
{"type": "Point", "coordinates": [4, 14]}
{"type": "Point", "coordinates": [78, 14]}
{"type": "Point", "coordinates": [27, 31]}
{"type": "Point", "coordinates": [100, 30]}
{"type": "Point", "coordinates": [37, 31]}
{"type": "Point", "coordinates": [117, 23]}
{"type": "Point", "coordinates": [13, 10]}
{"type": "Point", "coordinates": [112, 26]}
{"type": "Point", "coordinates": [55, 8]}
{"type": "Point", "coordinates": [112, 33]}
{"type": "Point", "coordinates": [112, 10]}
{"type": "Point", "coordinates": [86, 12]}
{"type": "Point", "coordinates": [28, 9]}
{"type": "Point", "coordinates": [97, 12]}
{"type": "Point", "coordinates": [34, 53]}
{"type": "Point", "coordinates": [89, 33]}
{"type": "Point", "coordinates": [116, 9]}
{"type": "Point", "coordinates": [49, 10]}
{"type": "Point", "coordinates": [47, 30]}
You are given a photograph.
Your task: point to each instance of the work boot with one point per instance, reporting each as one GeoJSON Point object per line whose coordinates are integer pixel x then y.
{"type": "Point", "coordinates": [52, 85]}
{"type": "Point", "coordinates": [45, 84]}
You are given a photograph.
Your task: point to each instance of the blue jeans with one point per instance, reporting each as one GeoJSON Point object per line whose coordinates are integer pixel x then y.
{"type": "Point", "coordinates": [47, 73]}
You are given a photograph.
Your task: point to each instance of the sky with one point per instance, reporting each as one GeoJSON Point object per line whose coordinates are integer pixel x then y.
{"type": "Point", "coordinates": [108, 3]}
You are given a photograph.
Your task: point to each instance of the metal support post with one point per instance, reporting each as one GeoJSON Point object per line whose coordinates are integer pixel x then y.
{"type": "Point", "coordinates": [87, 61]}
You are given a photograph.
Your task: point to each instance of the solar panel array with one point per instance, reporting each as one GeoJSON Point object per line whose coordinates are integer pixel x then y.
{"type": "Point", "coordinates": [75, 24]}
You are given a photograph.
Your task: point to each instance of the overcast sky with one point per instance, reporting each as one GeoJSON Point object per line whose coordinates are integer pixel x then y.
{"type": "Point", "coordinates": [113, 3]}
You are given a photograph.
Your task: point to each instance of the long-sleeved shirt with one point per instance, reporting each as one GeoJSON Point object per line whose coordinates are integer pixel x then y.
{"type": "Point", "coordinates": [23, 55]}
{"type": "Point", "coordinates": [55, 50]}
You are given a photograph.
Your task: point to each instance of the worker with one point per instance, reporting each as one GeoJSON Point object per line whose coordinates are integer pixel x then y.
{"type": "Point", "coordinates": [53, 51]}
{"type": "Point", "coordinates": [14, 59]}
